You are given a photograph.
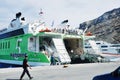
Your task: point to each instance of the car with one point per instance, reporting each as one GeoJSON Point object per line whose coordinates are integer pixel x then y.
{"type": "Point", "coordinates": [115, 75]}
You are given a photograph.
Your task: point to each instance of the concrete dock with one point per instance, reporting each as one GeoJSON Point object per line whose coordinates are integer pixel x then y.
{"type": "Point", "coordinates": [58, 72]}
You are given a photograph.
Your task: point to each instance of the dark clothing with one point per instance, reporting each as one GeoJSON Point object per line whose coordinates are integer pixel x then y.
{"type": "Point", "coordinates": [25, 69]}
{"type": "Point", "coordinates": [25, 63]}
{"type": "Point", "coordinates": [52, 60]}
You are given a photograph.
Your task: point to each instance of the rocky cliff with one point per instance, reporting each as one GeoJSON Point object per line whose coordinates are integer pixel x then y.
{"type": "Point", "coordinates": [106, 27]}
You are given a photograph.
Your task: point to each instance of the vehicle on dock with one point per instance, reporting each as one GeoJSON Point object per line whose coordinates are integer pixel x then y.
{"type": "Point", "coordinates": [115, 75]}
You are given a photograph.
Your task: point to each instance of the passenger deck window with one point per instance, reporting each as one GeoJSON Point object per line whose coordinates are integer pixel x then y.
{"type": "Point", "coordinates": [104, 46]}
{"type": "Point", "coordinates": [32, 44]}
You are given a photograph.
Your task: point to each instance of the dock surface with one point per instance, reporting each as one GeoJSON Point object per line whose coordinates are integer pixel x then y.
{"type": "Point", "coordinates": [58, 72]}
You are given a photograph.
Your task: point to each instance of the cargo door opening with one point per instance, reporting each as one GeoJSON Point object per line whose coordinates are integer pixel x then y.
{"type": "Point", "coordinates": [54, 46]}
{"type": "Point", "coordinates": [74, 47]}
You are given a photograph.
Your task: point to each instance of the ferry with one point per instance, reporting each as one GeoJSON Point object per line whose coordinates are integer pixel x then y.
{"type": "Point", "coordinates": [38, 42]}
{"type": "Point", "coordinates": [105, 49]}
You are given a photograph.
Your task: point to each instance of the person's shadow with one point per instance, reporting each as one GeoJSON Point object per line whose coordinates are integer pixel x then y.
{"type": "Point", "coordinates": [13, 79]}
{"type": "Point", "coordinates": [17, 79]}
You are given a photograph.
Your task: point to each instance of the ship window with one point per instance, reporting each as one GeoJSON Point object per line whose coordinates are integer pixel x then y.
{"type": "Point", "coordinates": [32, 44]}
{"type": "Point", "coordinates": [0, 46]}
{"type": "Point", "coordinates": [9, 44]}
{"type": "Point", "coordinates": [18, 44]}
{"type": "Point", "coordinates": [87, 46]}
{"type": "Point", "coordinates": [6, 45]}
{"type": "Point", "coordinates": [104, 49]}
{"type": "Point", "coordinates": [115, 46]}
{"type": "Point", "coordinates": [98, 43]}
{"type": "Point", "coordinates": [104, 46]}
{"type": "Point", "coordinates": [3, 45]}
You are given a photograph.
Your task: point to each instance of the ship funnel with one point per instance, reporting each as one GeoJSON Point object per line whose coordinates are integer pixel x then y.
{"type": "Point", "coordinates": [23, 18]}
{"type": "Point", "coordinates": [18, 14]}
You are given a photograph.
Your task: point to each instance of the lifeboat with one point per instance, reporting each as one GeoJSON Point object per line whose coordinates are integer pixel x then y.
{"type": "Point", "coordinates": [45, 30]}
{"type": "Point", "coordinates": [88, 34]}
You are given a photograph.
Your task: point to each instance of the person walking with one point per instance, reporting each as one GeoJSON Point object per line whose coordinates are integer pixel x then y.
{"type": "Point", "coordinates": [52, 59]}
{"type": "Point", "coordinates": [25, 69]}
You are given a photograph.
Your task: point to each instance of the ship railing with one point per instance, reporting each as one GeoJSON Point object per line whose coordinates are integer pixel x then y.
{"type": "Point", "coordinates": [67, 31]}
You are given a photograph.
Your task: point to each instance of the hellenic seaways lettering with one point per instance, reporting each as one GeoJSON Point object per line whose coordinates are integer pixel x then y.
{"type": "Point", "coordinates": [18, 54]}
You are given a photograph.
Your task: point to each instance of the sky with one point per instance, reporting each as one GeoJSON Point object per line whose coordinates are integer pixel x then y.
{"type": "Point", "coordinates": [76, 11]}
